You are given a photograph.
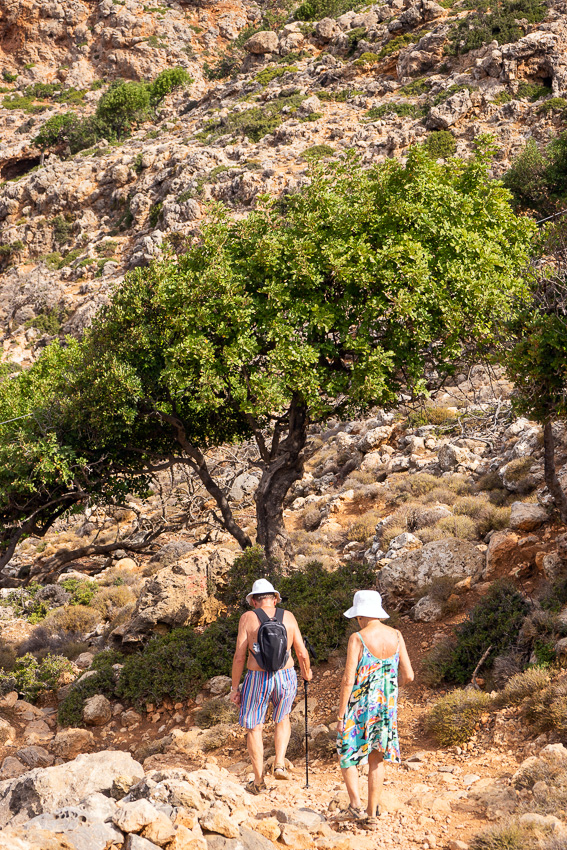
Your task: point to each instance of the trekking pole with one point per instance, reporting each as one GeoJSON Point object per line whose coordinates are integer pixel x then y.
{"type": "Point", "coordinates": [313, 655]}
{"type": "Point", "coordinates": [306, 738]}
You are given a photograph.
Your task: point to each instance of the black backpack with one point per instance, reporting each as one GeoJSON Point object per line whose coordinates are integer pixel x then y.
{"type": "Point", "coordinates": [271, 653]}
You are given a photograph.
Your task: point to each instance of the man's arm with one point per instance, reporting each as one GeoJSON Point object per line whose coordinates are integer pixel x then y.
{"type": "Point", "coordinates": [301, 651]}
{"type": "Point", "coordinates": [239, 659]}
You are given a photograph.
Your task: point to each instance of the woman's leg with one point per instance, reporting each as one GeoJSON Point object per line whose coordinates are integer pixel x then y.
{"type": "Point", "coordinates": [375, 780]}
{"type": "Point", "coordinates": [350, 776]}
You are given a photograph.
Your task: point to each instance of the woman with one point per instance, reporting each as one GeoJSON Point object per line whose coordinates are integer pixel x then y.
{"type": "Point", "coordinates": [367, 730]}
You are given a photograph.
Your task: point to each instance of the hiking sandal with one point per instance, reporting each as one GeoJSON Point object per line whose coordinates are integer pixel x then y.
{"type": "Point", "coordinates": [280, 772]}
{"type": "Point", "coordinates": [370, 823]}
{"type": "Point", "coordinates": [254, 789]}
{"type": "Point", "coordinates": [356, 814]}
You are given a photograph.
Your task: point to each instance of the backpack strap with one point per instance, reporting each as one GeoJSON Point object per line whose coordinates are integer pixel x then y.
{"type": "Point", "coordinates": [279, 615]}
{"type": "Point", "coordinates": [262, 616]}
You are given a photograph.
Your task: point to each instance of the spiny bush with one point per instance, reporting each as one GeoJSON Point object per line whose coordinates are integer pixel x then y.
{"type": "Point", "coordinates": [317, 152]}
{"type": "Point", "coordinates": [442, 495]}
{"type": "Point", "coordinates": [400, 109]}
{"type": "Point", "coordinates": [461, 527]}
{"type": "Point", "coordinates": [505, 836]}
{"type": "Point", "coordinates": [109, 600]}
{"type": "Point", "coordinates": [440, 144]}
{"type": "Point", "coordinates": [435, 662]}
{"type": "Point", "coordinates": [314, 10]}
{"type": "Point", "coordinates": [41, 643]}
{"type": "Point", "coordinates": [547, 709]}
{"type": "Point", "coordinates": [430, 414]}
{"type": "Point", "coordinates": [216, 711]}
{"type": "Point", "coordinates": [523, 685]}
{"type": "Point", "coordinates": [362, 528]}
{"type": "Point", "coordinates": [454, 719]}
{"type": "Point", "coordinates": [553, 104]}
{"type": "Point", "coordinates": [77, 619]}
{"type": "Point", "coordinates": [256, 122]}
{"type": "Point", "coordinates": [501, 23]}
{"type": "Point", "coordinates": [494, 622]}
{"type": "Point", "coordinates": [216, 738]}
{"type": "Point", "coordinates": [82, 590]}
{"type": "Point", "coordinates": [311, 519]}
{"type": "Point", "coordinates": [404, 486]}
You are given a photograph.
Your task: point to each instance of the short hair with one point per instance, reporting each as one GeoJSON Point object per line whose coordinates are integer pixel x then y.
{"type": "Point", "coordinates": [259, 597]}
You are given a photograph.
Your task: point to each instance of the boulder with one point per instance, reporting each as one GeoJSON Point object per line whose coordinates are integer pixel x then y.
{"type": "Point", "coordinates": [244, 485]}
{"type": "Point", "coordinates": [262, 42]}
{"type": "Point", "coordinates": [172, 552]}
{"type": "Point", "coordinates": [137, 842]}
{"type": "Point", "coordinates": [50, 788]}
{"type": "Point", "coordinates": [160, 830]}
{"type": "Point", "coordinates": [216, 821]}
{"type": "Point", "coordinates": [451, 456]}
{"type": "Point", "coordinates": [11, 768]}
{"type": "Point", "coordinates": [219, 685]}
{"type": "Point", "coordinates": [97, 710]}
{"type": "Point", "coordinates": [375, 438]}
{"type": "Point", "coordinates": [441, 558]}
{"type": "Point", "coordinates": [134, 816]}
{"type": "Point", "coordinates": [36, 756]}
{"type": "Point", "coordinates": [427, 610]}
{"type": "Point", "coordinates": [82, 833]}
{"type": "Point", "coordinates": [7, 732]}
{"type": "Point", "coordinates": [527, 517]}
{"type": "Point", "coordinates": [69, 743]}
{"type": "Point", "coordinates": [500, 548]}
{"type": "Point", "coordinates": [448, 113]}
{"type": "Point", "coordinates": [326, 29]}
{"type": "Point", "coordinates": [175, 595]}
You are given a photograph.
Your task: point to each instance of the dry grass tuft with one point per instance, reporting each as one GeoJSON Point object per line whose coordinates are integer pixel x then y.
{"type": "Point", "coordinates": [523, 685]}
{"type": "Point", "coordinates": [215, 711]}
{"type": "Point", "coordinates": [78, 619]}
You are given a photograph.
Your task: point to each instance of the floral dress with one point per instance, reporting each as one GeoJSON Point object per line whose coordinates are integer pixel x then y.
{"type": "Point", "coordinates": [371, 718]}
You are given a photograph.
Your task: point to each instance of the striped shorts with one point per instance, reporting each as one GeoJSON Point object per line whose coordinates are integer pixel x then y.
{"type": "Point", "coordinates": [259, 688]}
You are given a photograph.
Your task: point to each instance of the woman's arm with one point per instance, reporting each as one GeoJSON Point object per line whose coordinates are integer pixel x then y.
{"type": "Point", "coordinates": [353, 656]}
{"type": "Point", "coordinates": [405, 671]}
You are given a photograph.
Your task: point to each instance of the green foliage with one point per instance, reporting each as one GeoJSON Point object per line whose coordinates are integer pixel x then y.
{"type": "Point", "coordinates": [366, 58]}
{"type": "Point", "coordinates": [212, 335]}
{"type": "Point", "coordinates": [453, 720]}
{"type": "Point", "coordinates": [392, 108]}
{"type": "Point", "coordinates": [31, 678]}
{"type": "Point", "coordinates": [415, 88]}
{"type": "Point", "coordinates": [440, 144]}
{"type": "Point", "coordinates": [526, 178]}
{"type": "Point", "coordinates": [353, 37]}
{"type": "Point", "coordinates": [82, 590]}
{"type": "Point", "coordinates": [71, 709]}
{"type": "Point", "coordinates": [155, 213]}
{"type": "Point", "coordinates": [500, 23]}
{"type": "Point", "coordinates": [314, 10]}
{"type": "Point", "coordinates": [9, 77]}
{"type": "Point", "coordinates": [533, 91]}
{"type": "Point", "coordinates": [49, 322]}
{"type": "Point", "coordinates": [553, 104]}
{"type": "Point", "coordinates": [398, 42]}
{"type": "Point", "coordinates": [317, 152]}
{"type": "Point", "coordinates": [258, 121]}
{"type": "Point", "coordinates": [494, 622]}
{"type": "Point", "coordinates": [273, 72]}
{"type": "Point", "coordinates": [27, 104]}
{"type": "Point", "coordinates": [227, 66]}
{"type": "Point", "coordinates": [338, 96]}
{"type": "Point", "coordinates": [166, 82]}
{"type": "Point", "coordinates": [123, 106]}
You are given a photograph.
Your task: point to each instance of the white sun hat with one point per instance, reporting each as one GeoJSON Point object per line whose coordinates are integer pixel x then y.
{"type": "Point", "coordinates": [262, 585]}
{"type": "Point", "coordinates": [367, 603]}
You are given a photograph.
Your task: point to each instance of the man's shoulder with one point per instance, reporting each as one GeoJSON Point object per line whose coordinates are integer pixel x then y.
{"type": "Point", "coordinates": [289, 618]}
{"type": "Point", "coordinates": [248, 617]}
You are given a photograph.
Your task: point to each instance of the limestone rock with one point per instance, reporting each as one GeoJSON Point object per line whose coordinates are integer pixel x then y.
{"type": "Point", "coordinates": [262, 42]}
{"type": "Point", "coordinates": [82, 833]}
{"type": "Point", "coordinates": [7, 732]}
{"type": "Point", "coordinates": [217, 821]}
{"type": "Point", "coordinates": [500, 548]}
{"type": "Point", "coordinates": [454, 558]}
{"type": "Point", "coordinates": [527, 517]}
{"type": "Point", "coordinates": [448, 113]}
{"type": "Point", "coordinates": [11, 768]}
{"type": "Point", "coordinates": [137, 842]}
{"type": "Point", "coordinates": [219, 685]}
{"type": "Point", "coordinates": [134, 816]}
{"type": "Point", "coordinates": [160, 830]}
{"type": "Point", "coordinates": [375, 438]}
{"type": "Point", "coordinates": [36, 756]}
{"type": "Point", "coordinates": [97, 710]}
{"type": "Point", "coordinates": [427, 610]}
{"type": "Point", "coordinates": [326, 29]}
{"type": "Point", "coordinates": [48, 789]}
{"type": "Point", "coordinates": [185, 839]}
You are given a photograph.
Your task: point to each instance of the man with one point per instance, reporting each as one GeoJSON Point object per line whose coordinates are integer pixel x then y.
{"type": "Point", "coordinates": [261, 686]}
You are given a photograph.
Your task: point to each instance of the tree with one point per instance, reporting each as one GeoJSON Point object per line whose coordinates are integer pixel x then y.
{"type": "Point", "coordinates": [537, 362]}
{"type": "Point", "coordinates": [366, 284]}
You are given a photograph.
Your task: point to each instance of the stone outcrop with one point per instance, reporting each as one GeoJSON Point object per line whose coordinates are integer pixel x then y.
{"type": "Point", "coordinates": [452, 558]}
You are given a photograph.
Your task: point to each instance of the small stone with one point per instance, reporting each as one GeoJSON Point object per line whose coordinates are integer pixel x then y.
{"type": "Point", "coordinates": [133, 817]}
{"type": "Point", "coordinates": [216, 821]}
{"type": "Point", "coordinates": [185, 839]}
{"type": "Point", "coordinates": [97, 710]}
{"type": "Point", "coordinates": [160, 830]}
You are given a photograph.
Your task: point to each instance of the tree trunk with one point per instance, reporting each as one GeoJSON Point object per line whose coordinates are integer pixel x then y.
{"type": "Point", "coordinates": [551, 479]}
{"type": "Point", "coordinates": [284, 467]}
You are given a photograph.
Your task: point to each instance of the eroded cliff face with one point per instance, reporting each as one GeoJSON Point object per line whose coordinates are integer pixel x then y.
{"type": "Point", "coordinates": [376, 81]}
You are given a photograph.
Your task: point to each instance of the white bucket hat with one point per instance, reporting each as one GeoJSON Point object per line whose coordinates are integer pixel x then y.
{"type": "Point", "coordinates": [367, 603]}
{"type": "Point", "coordinates": [262, 585]}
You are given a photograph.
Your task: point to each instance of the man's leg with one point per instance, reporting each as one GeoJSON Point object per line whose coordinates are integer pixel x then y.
{"type": "Point", "coordinates": [282, 735]}
{"type": "Point", "coordinates": [375, 780]}
{"type": "Point", "coordinates": [256, 752]}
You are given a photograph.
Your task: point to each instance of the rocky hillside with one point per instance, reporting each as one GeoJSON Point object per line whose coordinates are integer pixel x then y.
{"type": "Point", "coordinates": [274, 89]}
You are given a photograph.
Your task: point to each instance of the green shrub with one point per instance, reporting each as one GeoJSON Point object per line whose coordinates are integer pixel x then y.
{"type": "Point", "coordinates": [225, 67]}
{"type": "Point", "coordinates": [453, 720]}
{"type": "Point", "coordinates": [366, 58]}
{"type": "Point", "coordinates": [400, 41]}
{"type": "Point", "coordinates": [494, 622]}
{"type": "Point", "coordinates": [500, 23]}
{"type": "Point", "coordinates": [272, 72]}
{"type": "Point", "coordinates": [27, 104]}
{"type": "Point", "coordinates": [82, 590]}
{"type": "Point", "coordinates": [435, 663]}
{"type": "Point", "coordinates": [401, 109]}
{"type": "Point", "coordinates": [317, 152]}
{"type": "Point", "coordinates": [415, 88]}
{"type": "Point", "coordinates": [553, 104]}
{"type": "Point", "coordinates": [257, 121]}
{"type": "Point", "coordinates": [314, 10]}
{"type": "Point", "coordinates": [526, 177]}
{"type": "Point", "coordinates": [166, 82]}
{"type": "Point", "coordinates": [124, 105]}
{"type": "Point", "coordinates": [440, 144]}
{"type": "Point", "coordinates": [532, 91]}
{"type": "Point", "coordinates": [338, 96]}
{"type": "Point", "coordinates": [30, 677]}
{"type": "Point", "coordinates": [103, 682]}
{"type": "Point", "coordinates": [430, 414]}
{"type": "Point", "coordinates": [155, 213]}
{"type": "Point", "coordinates": [215, 711]}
